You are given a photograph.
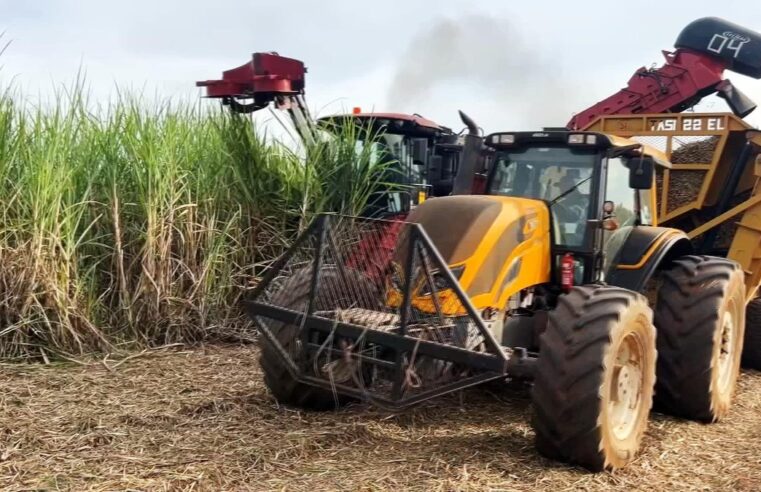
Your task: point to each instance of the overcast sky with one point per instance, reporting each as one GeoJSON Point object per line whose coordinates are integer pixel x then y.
{"type": "Point", "coordinates": [510, 65]}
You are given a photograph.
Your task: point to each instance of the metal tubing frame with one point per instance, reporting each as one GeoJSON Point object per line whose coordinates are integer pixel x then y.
{"type": "Point", "coordinates": [407, 295]}
{"type": "Point", "coordinates": [491, 365]}
{"type": "Point", "coordinates": [523, 368]}
{"type": "Point", "coordinates": [280, 262]}
{"type": "Point", "coordinates": [322, 232]}
{"type": "Point", "coordinates": [475, 360]}
{"type": "Point", "coordinates": [492, 345]}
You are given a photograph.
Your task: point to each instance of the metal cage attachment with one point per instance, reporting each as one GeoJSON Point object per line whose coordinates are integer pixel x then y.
{"type": "Point", "coordinates": [368, 308]}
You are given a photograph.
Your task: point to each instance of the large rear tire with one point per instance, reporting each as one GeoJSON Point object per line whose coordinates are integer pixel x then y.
{"type": "Point", "coordinates": [752, 347]}
{"type": "Point", "coordinates": [294, 294]}
{"type": "Point", "coordinates": [700, 318]}
{"type": "Point", "coordinates": [595, 374]}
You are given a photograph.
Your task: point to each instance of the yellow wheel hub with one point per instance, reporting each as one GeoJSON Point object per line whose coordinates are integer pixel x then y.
{"type": "Point", "coordinates": [726, 352]}
{"type": "Point", "coordinates": [625, 392]}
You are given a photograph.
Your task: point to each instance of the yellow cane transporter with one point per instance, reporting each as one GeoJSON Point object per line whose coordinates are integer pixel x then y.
{"type": "Point", "coordinates": [711, 192]}
{"type": "Point", "coordinates": [542, 279]}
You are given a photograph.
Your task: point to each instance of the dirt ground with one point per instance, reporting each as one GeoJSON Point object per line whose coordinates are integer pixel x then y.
{"type": "Point", "coordinates": [202, 420]}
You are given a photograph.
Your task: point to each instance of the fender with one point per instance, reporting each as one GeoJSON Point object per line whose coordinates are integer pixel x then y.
{"type": "Point", "coordinates": [644, 250]}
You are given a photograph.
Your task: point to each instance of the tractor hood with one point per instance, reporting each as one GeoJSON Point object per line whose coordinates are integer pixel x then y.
{"type": "Point", "coordinates": [496, 246]}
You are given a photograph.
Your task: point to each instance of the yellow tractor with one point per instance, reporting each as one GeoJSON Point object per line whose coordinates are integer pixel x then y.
{"type": "Point", "coordinates": [576, 271]}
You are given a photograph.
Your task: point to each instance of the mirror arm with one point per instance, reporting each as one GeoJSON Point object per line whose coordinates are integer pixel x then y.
{"type": "Point", "coordinates": [614, 152]}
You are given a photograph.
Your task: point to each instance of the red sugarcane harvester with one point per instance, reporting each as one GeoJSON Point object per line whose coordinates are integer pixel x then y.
{"type": "Point", "coordinates": [426, 153]}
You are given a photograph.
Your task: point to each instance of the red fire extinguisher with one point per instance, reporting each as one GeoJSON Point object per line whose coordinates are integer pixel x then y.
{"type": "Point", "coordinates": [567, 270]}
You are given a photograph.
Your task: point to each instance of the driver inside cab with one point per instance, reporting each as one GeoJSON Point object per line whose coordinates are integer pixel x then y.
{"type": "Point", "coordinates": [570, 207]}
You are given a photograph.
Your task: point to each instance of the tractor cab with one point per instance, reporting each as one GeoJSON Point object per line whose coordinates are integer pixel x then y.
{"type": "Point", "coordinates": [425, 157]}
{"type": "Point", "coordinates": [597, 188]}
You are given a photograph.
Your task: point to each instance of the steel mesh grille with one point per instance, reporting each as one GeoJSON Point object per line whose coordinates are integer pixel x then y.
{"type": "Point", "coordinates": [381, 276]}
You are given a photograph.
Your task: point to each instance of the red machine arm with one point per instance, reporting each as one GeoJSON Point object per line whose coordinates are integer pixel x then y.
{"type": "Point", "coordinates": [267, 78]}
{"type": "Point", "coordinates": [705, 48]}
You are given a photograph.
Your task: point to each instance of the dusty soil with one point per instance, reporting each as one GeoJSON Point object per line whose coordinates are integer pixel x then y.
{"type": "Point", "coordinates": [202, 420]}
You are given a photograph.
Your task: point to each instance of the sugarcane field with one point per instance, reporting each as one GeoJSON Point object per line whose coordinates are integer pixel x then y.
{"type": "Point", "coordinates": [324, 246]}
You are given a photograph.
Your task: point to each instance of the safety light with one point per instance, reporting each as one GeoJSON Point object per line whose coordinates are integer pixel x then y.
{"type": "Point", "coordinates": [576, 138]}
{"type": "Point", "coordinates": [356, 110]}
{"type": "Point", "coordinates": [502, 139]}
{"type": "Point", "coordinates": [592, 139]}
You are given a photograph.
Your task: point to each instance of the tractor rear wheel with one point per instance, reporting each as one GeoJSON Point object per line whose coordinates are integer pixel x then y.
{"type": "Point", "coordinates": [752, 348]}
{"type": "Point", "coordinates": [700, 317]}
{"type": "Point", "coordinates": [294, 294]}
{"type": "Point", "coordinates": [595, 375]}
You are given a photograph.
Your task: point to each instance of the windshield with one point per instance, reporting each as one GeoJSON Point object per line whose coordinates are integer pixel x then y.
{"type": "Point", "coordinates": [400, 149]}
{"type": "Point", "coordinates": [394, 153]}
{"type": "Point", "coordinates": [560, 176]}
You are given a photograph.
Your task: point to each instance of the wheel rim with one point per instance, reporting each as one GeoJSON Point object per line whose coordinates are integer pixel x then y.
{"type": "Point", "coordinates": [726, 350]}
{"type": "Point", "coordinates": [625, 391]}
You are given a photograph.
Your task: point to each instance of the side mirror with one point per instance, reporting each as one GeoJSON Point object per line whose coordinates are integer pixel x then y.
{"type": "Point", "coordinates": [420, 151]}
{"type": "Point", "coordinates": [641, 170]}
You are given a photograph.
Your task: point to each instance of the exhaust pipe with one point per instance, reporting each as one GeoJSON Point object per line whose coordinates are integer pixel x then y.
{"type": "Point", "coordinates": [468, 121]}
{"type": "Point", "coordinates": [471, 155]}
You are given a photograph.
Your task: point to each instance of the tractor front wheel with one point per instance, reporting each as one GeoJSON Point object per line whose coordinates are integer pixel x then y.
{"type": "Point", "coordinates": [336, 293]}
{"type": "Point", "coordinates": [595, 375]}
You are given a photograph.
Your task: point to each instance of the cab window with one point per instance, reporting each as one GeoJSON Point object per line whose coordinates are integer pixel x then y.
{"type": "Point", "coordinates": [624, 198]}
{"type": "Point", "coordinates": [392, 154]}
{"type": "Point", "coordinates": [560, 176]}
{"type": "Point", "coordinates": [645, 207]}
{"type": "Point", "coordinates": [617, 191]}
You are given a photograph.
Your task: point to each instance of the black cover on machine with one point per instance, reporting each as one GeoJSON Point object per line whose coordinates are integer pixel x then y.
{"type": "Point", "coordinates": [739, 47]}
